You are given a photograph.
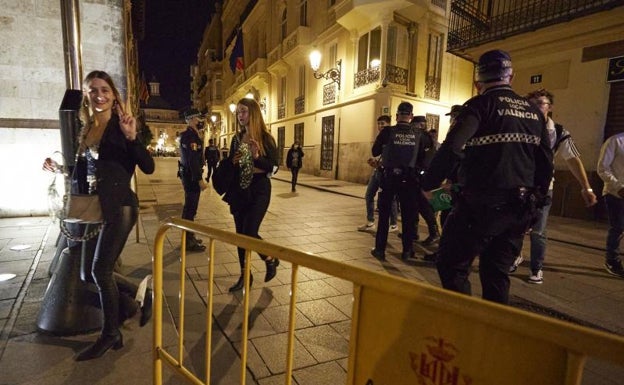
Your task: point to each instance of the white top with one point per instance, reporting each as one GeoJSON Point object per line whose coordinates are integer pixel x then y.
{"type": "Point", "coordinates": [567, 149]}
{"type": "Point", "coordinates": [611, 164]}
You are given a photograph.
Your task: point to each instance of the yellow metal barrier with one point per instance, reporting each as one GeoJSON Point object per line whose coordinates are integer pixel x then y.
{"type": "Point", "coordinates": [404, 332]}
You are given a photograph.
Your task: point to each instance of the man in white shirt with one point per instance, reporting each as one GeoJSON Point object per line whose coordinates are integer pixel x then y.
{"type": "Point", "coordinates": [562, 144]}
{"type": "Point", "coordinates": [611, 170]}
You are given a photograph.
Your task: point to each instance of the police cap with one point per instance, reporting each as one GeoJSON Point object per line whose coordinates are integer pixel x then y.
{"type": "Point", "coordinates": [493, 66]}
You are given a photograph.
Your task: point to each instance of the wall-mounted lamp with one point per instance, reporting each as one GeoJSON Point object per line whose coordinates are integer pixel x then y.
{"type": "Point", "coordinates": [263, 105]}
{"type": "Point", "coordinates": [332, 74]}
{"type": "Point", "coordinates": [232, 107]}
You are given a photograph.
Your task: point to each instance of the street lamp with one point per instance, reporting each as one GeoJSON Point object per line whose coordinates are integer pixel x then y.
{"type": "Point", "coordinates": [332, 74]}
{"type": "Point", "coordinates": [233, 111]}
{"type": "Point", "coordinates": [213, 119]}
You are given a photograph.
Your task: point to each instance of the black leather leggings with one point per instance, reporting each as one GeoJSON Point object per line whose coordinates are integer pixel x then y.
{"type": "Point", "coordinates": [109, 247]}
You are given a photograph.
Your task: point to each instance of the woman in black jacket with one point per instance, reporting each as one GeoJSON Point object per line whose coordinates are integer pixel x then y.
{"type": "Point", "coordinates": [108, 153]}
{"type": "Point", "coordinates": [294, 162]}
{"type": "Point", "coordinates": [253, 152]}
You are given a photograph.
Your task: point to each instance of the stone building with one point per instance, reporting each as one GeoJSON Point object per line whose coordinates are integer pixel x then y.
{"type": "Point", "coordinates": [374, 55]}
{"type": "Point", "coordinates": [163, 121]}
{"type": "Point", "coordinates": [33, 82]}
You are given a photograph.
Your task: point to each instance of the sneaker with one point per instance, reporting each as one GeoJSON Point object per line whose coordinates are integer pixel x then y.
{"type": "Point", "coordinates": [537, 277]}
{"type": "Point", "coordinates": [393, 228]}
{"type": "Point", "coordinates": [380, 255]}
{"type": "Point", "coordinates": [519, 259]}
{"type": "Point", "coordinates": [367, 227]}
{"type": "Point", "coordinates": [615, 268]}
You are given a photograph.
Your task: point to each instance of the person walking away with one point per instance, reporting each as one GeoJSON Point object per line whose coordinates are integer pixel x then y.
{"type": "Point", "coordinates": [190, 172]}
{"type": "Point", "coordinates": [424, 208]}
{"type": "Point", "coordinates": [611, 170]}
{"type": "Point", "coordinates": [373, 186]}
{"type": "Point", "coordinates": [401, 149]}
{"type": "Point", "coordinates": [253, 152]}
{"type": "Point", "coordinates": [505, 170]}
{"type": "Point", "coordinates": [294, 161]}
{"type": "Point", "coordinates": [562, 144]}
{"type": "Point", "coordinates": [108, 153]}
{"type": "Point", "coordinates": [212, 156]}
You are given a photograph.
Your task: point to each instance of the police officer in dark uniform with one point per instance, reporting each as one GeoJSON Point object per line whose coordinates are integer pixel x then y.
{"type": "Point", "coordinates": [401, 150]}
{"type": "Point", "coordinates": [505, 167]}
{"type": "Point", "coordinates": [191, 170]}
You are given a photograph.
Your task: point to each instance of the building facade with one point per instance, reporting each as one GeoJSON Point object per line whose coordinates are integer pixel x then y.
{"type": "Point", "coordinates": [573, 49]}
{"type": "Point", "coordinates": [163, 121]}
{"type": "Point", "coordinates": [373, 55]}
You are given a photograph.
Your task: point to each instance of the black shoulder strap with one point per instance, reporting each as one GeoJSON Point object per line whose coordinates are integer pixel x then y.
{"type": "Point", "coordinates": [559, 138]}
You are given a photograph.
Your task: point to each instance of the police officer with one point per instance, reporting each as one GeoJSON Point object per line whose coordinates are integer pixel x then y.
{"type": "Point", "coordinates": [501, 142]}
{"type": "Point", "coordinates": [401, 150]}
{"type": "Point", "coordinates": [424, 208]}
{"type": "Point", "coordinates": [191, 170]}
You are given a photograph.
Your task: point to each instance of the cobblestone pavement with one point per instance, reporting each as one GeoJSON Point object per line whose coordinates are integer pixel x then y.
{"type": "Point", "coordinates": [321, 217]}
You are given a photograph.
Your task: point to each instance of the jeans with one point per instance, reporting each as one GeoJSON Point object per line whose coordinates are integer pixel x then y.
{"type": "Point", "coordinates": [615, 212]}
{"type": "Point", "coordinates": [373, 185]}
{"type": "Point", "coordinates": [295, 174]}
{"type": "Point", "coordinates": [538, 238]}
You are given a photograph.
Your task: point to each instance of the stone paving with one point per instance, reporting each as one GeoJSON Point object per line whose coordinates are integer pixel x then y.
{"type": "Point", "coordinates": [321, 218]}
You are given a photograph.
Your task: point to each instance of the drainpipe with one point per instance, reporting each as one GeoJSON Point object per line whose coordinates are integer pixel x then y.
{"type": "Point", "coordinates": [70, 106]}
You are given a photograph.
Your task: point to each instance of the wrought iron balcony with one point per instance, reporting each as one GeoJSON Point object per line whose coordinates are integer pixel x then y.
{"type": "Point", "coordinates": [476, 22]}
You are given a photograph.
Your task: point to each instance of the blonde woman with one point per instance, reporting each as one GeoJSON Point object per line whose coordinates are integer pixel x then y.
{"type": "Point", "coordinates": [254, 154]}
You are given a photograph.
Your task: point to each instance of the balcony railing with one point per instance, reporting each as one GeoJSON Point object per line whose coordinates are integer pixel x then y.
{"type": "Point", "coordinates": [396, 75]}
{"type": "Point", "coordinates": [366, 76]}
{"type": "Point", "coordinates": [476, 22]}
{"type": "Point", "coordinates": [432, 87]}
{"type": "Point", "coordinates": [281, 111]}
{"type": "Point", "coordinates": [299, 104]}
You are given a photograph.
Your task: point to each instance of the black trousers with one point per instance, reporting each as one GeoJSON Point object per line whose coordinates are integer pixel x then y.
{"type": "Point", "coordinates": [211, 167]}
{"type": "Point", "coordinates": [248, 215]}
{"type": "Point", "coordinates": [426, 211]}
{"type": "Point", "coordinates": [406, 190]}
{"type": "Point", "coordinates": [109, 247]}
{"type": "Point", "coordinates": [191, 201]}
{"type": "Point", "coordinates": [295, 174]}
{"type": "Point", "coordinates": [487, 229]}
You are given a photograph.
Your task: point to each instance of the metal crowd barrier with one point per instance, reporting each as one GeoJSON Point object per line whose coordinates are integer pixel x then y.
{"type": "Point", "coordinates": [403, 332]}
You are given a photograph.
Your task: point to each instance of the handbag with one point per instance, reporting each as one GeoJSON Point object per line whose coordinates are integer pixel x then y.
{"type": "Point", "coordinates": [82, 208]}
{"type": "Point", "coordinates": [223, 176]}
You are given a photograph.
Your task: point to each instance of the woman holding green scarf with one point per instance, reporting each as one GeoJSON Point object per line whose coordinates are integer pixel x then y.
{"type": "Point", "coordinates": [254, 154]}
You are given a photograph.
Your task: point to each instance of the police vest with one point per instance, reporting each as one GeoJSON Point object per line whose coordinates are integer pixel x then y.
{"type": "Point", "coordinates": [401, 149]}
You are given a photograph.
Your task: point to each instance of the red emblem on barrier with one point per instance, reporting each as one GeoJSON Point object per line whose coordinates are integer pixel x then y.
{"type": "Point", "coordinates": [435, 366]}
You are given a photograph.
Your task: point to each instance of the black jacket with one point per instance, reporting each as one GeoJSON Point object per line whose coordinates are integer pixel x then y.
{"type": "Point", "coordinates": [191, 154]}
{"type": "Point", "coordinates": [289, 157]}
{"type": "Point", "coordinates": [500, 142]}
{"type": "Point", "coordinates": [115, 166]}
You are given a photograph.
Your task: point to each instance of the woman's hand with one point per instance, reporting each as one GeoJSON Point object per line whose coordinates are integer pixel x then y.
{"type": "Point", "coordinates": [254, 148]}
{"type": "Point", "coordinates": [127, 123]}
{"type": "Point", "coordinates": [237, 157]}
{"type": "Point", "coordinates": [51, 165]}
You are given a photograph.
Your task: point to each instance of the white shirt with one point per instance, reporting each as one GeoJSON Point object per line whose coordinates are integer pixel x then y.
{"type": "Point", "coordinates": [567, 149]}
{"type": "Point", "coordinates": [611, 164]}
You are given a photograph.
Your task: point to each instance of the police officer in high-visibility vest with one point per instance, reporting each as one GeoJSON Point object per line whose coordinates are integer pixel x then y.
{"type": "Point", "coordinates": [401, 151]}
{"type": "Point", "coordinates": [191, 168]}
{"type": "Point", "coordinates": [501, 143]}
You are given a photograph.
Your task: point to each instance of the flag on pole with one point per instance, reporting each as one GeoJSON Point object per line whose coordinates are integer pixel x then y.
{"type": "Point", "coordinates": [236, 58]}
{"type": "Point", "coordinates": [143, 90]}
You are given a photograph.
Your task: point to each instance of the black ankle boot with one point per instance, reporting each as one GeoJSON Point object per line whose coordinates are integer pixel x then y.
{"type": "Point", "coordinates": [146, 309]}
{"type": "Point", "coordinates": [101, 346]}
{"type": "Point", "coordinates": [271, 269]}
{"type": "Point", "coordinates": [241, 283]}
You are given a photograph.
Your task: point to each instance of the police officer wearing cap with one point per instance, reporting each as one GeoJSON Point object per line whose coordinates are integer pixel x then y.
{"type": "Point", "coordinates": [401, 150]}
{"type": "Point", "coordinates": [505, 165]}
{"type": "Point", "coordinates": [191, 170]}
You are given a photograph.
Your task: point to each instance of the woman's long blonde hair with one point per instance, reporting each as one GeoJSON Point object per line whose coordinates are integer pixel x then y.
{"type": "Point", "coordinates": [86, 111]}
{"type": "Point", "coordinates": [257, 129]}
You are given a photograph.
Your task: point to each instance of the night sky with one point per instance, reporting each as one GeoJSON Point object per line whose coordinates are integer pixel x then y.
{"type": "Point", "coordinates": [173, 32]}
